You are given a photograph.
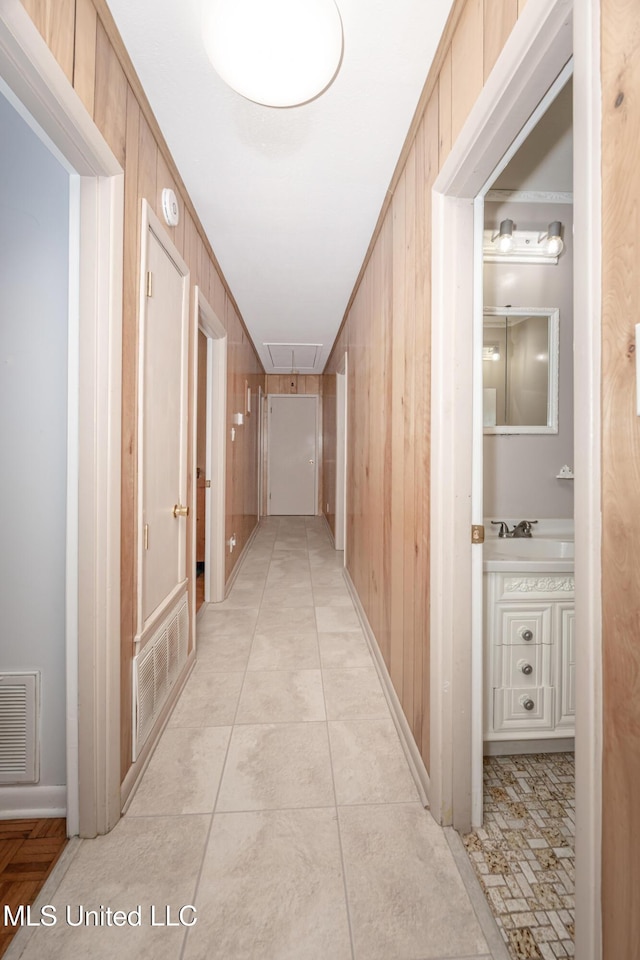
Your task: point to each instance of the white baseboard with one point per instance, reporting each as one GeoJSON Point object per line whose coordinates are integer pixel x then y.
{"type": "Point", "coordinates": [507, 748]}
{"type": "Point", "coordinates": [409, 745]}
{"type": "Point", "coordinates": [138, 767]}
{"type": "Point", "coordinates": [236, 570]}
{"type": "Point", "coordinates": [329, 530]}
{"type": "Point", "coordinates": [32, 802]}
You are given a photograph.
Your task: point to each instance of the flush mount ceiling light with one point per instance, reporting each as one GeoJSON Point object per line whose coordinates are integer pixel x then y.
{"type": "Point", "coordinates": [279, 53]}
{"type": "Point", "coordinates": [523, 246]}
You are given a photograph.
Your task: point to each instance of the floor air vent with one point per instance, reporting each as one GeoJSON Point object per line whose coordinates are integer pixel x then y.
{"type": "Point", "coordinates": [155, 671]}
{"type": "Point", "coordinates": [19, 699]}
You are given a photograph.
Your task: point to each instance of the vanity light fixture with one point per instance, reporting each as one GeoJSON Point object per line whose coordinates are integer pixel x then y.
{"type": "Point", "coordinates": [523, 246]}
{"type": "Point", "coordinates": [279, 53]}
{"type": "Point", "coordinates": [491, 351]}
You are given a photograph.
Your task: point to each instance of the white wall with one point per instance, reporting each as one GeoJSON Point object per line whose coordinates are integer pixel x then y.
{"type": "Point", "coordinates": [34, 278]}
{"type": "Point", "coordinates": [520, 471]}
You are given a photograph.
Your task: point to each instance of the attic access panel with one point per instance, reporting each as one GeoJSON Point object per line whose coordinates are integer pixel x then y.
{"type": "Point", "coordinates": [298, 357]}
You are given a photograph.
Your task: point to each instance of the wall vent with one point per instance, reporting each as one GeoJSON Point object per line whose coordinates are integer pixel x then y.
{"type": "Point", "coordinates": [19, 725]}
{"type": "Point", "coordinates": [156, 669]}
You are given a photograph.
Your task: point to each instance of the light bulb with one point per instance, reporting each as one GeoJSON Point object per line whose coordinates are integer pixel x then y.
{"type": "Point", "coordinates": [506, 242]}
{"type": "Point", "coordinates": [554, 245]}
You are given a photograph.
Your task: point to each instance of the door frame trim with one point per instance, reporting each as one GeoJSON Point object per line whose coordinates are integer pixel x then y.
{"type": "Point", "coordinates": [41, 87]}
{"type": "Point", "coordinates": [206, 319]}
{"type": "Point", "coordinates": [340, 537]}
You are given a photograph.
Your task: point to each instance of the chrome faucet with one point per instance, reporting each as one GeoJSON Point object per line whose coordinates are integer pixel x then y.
{"type": "Point", "coordinates": [522, 529]}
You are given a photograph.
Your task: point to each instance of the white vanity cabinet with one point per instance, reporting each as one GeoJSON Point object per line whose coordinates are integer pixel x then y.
{"type": "Point", "coordinates": [529, 656]}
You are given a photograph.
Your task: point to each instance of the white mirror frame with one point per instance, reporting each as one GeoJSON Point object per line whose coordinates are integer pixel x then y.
{"type": "Point", "coordinates": [553, 315]}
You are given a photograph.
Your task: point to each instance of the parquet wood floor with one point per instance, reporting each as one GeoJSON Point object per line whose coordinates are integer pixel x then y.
{"type": "Point", "coordinates": [29, 850]}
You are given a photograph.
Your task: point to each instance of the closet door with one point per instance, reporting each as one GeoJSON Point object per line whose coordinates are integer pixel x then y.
{"type": "Point", "coordinates": [163, 427]}
{"type": "Point", "coordinates": [293, 444]}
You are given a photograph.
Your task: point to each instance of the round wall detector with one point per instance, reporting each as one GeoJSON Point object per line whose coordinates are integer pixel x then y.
{"type": "Point", "coordinates": [170, 207]}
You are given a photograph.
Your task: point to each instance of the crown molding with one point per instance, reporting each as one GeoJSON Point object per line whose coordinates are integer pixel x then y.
{"type": "Point", "coordinates": [529, 196]}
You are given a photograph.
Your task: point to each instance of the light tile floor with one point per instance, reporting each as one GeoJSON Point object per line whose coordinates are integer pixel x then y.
{"type": "Point", "coordinates": [278, 802]}
{"type": "Point", "coordinates": [524, 855]}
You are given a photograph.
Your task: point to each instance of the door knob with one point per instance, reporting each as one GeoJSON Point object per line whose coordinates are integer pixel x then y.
{"type": "Point", "coordinates": [311, 461]}
{"type": "Point", "coordinates": [180, 511]}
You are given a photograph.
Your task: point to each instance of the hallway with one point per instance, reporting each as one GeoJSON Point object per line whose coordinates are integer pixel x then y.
{"type": "Point", "coordinates": [278, 802]}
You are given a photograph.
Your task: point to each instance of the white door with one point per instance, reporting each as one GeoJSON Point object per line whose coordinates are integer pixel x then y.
{"type": "Point", "coordinates": [163, 424]}
{"type": "Point", "coordinates": [293, 442]}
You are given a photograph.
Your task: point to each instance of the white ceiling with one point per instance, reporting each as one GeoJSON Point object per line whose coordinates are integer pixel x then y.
{"type": "Point", "coordinates": [544, 162]}
{"type": "Point", "coordinates": [289, 198]}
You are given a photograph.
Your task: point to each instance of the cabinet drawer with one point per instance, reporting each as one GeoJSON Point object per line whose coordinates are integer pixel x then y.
{"type": "Point", "coordinates": [510, 708]}
{"type": "Point", "coordinates": [523, 665]}
{"type": "Point", "coordinates": [523, 624]}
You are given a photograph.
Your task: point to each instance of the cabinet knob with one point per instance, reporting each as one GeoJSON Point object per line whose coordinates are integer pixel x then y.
{"type": "Point", "coordinates": [526, 634]}
{"type": "Point", "coordinates": [526, 667]}
{"type": "Point", "coordinates": [527, 703]}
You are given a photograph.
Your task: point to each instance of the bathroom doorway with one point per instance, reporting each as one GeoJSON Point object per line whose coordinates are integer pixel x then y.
{"type": "Point", "coordinates": [523, 451]}
{"type": "Point", "coordinates": [539, 47]}
{"type": "Point", "coordinates": [524, 848]}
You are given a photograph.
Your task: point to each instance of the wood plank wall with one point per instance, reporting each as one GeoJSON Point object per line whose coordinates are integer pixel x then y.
{"type": "Point", "coordinates": [620, 27]}
{"type": "Point", "coordinates": [83, 38]}
{"type": "Point", "coordinates": [292, 384]}
{"type": "Point", "coordinates": [386, 333]}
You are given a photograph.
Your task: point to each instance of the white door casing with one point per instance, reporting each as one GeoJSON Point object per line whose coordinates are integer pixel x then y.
{"type": "Point", "coordinates": [205, 319]}
{"type": "Point", "coordinates": [37, 82]}
{"type": "Point", "coordinates": [293, 459]}
{"type": "Point", "coordinates": [341, 456]}
{"type": "Point", "coordinates": [162, 424]}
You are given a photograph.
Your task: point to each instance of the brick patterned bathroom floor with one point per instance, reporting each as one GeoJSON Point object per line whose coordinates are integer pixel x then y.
{"type": "Point", "coordinates": [524, 855]}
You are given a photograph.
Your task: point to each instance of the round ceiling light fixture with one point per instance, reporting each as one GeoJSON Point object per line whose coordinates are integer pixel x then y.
{"type": "Point", "coordinates": [279, 53]}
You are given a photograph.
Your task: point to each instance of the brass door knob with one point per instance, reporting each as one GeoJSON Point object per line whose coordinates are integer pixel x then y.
{"type": "Point", "coordinates": [180, 511]}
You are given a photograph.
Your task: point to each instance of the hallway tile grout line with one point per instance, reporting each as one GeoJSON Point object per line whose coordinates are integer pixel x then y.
{"type": "Point", "coordinates": [278, 799]}
{"type": "Point", "coordinates": [199, 877]}
{"type": "Point", "coordinates": [335, 798]}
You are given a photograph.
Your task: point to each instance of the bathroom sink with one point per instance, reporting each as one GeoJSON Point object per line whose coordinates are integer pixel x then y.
{"type": "Point", "coordinates": [524, 548]}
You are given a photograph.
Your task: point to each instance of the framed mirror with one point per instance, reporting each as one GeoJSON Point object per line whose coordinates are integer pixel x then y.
{"type": "Point", "coordinates": [520, 369]}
